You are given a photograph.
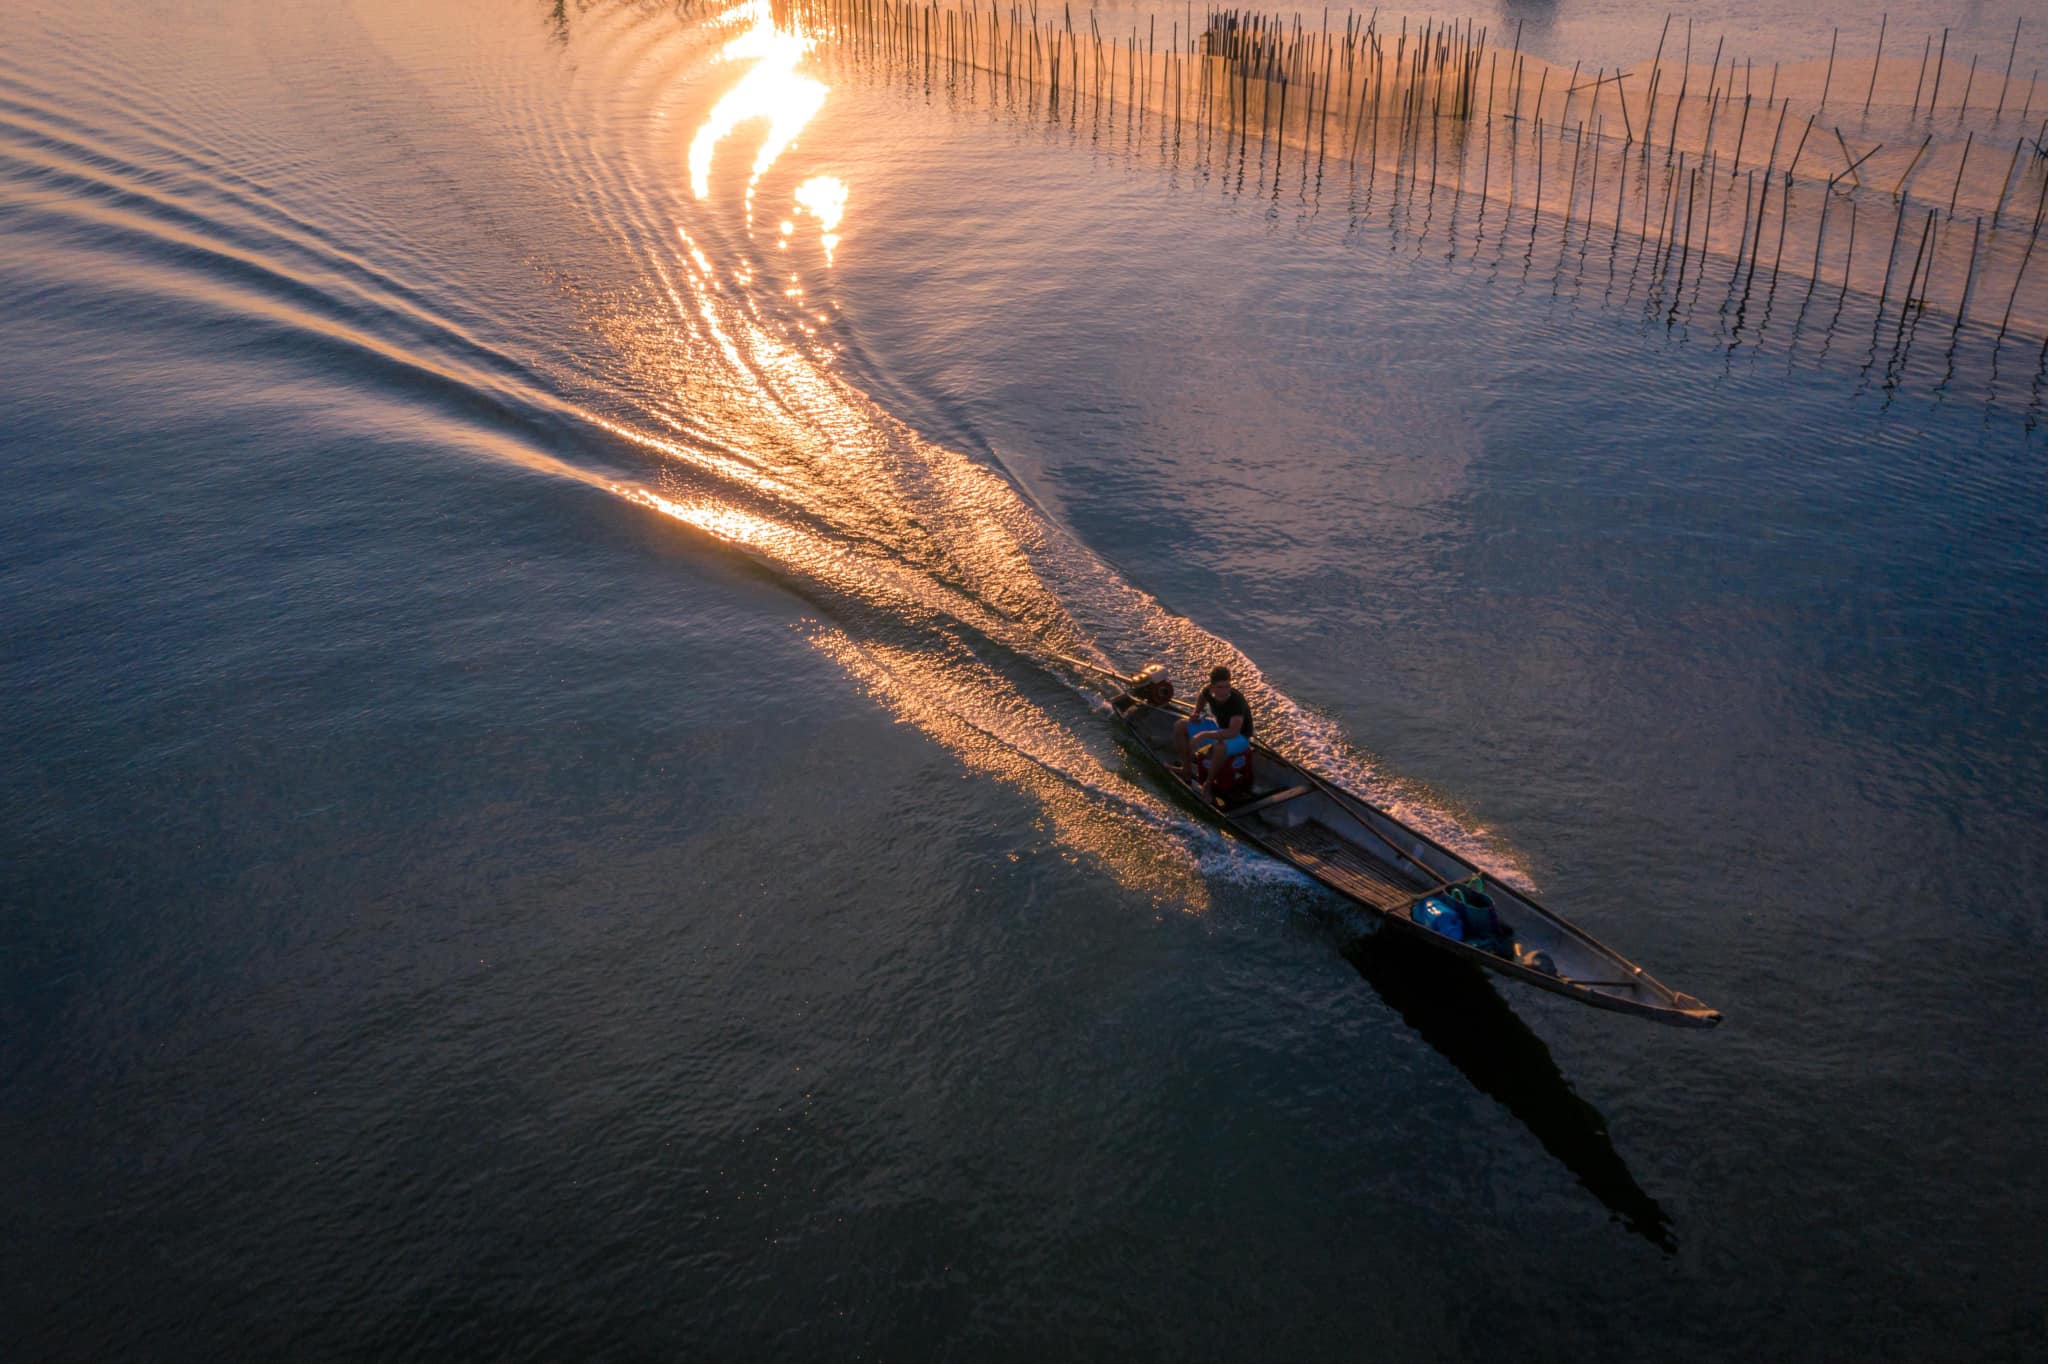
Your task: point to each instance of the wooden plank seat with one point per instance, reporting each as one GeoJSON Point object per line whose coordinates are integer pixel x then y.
{"type": "Point", "coordinates": [1377, 883]}
{"type": "Point", "coordinates": [1268, 801]}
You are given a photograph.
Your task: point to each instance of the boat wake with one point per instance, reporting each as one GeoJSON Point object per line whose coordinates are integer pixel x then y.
{"type": "Point", "coordinates": [950, 594]}
{"type": "Point", "coordinates": [695, 382]}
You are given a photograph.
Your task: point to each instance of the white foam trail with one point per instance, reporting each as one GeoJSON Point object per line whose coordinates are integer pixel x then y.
{"type": "Point", "coordinates": [937, 573]}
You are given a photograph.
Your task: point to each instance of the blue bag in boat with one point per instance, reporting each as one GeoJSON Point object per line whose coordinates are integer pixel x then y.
{"type": "Point", "coordinates": [1439, 916]}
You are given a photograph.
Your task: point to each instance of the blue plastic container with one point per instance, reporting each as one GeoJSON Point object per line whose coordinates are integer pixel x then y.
{"type": "Point", "coordinates": [1439, 916]}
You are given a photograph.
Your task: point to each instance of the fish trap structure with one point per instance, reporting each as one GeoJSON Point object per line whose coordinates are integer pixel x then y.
{"type": "Point", "coordinates": [1910, 188]}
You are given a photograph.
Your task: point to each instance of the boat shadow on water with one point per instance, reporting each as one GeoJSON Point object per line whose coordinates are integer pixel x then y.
{"type": "Point", "coordinates": [1440, 983]}
{"type": "Point", "coordinates": [1457, 1011]}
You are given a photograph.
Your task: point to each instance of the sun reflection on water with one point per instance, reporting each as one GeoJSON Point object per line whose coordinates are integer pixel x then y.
{"type": "Point", "coordinates": [824, 198]}
{"type": "Point", "coordinates": [771, 90]}
{"type": "Point", "coordinates": [928, 560]}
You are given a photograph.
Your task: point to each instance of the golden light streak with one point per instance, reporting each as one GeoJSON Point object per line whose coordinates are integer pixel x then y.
{"type": "Point", "coordinates": [977, 713]}
{"type": "Point", "coordinates": [771, 90]}
{"type": "Point", "coordinates": [824, 198]}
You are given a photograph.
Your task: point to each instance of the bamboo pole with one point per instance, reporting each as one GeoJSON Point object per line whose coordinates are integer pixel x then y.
{"type": "Point", "coordinates": [1620, 208]}
{"type": "Point", "coordinates": [1793, 165]}
{"type": "Point", "coordinates": [1890, 262]}
{"type": "Point", "coordinates": [1876, 62]}
{"type": "Point", "coordinates": [1741, 238]}
{"type": "Point", "coordinates": [1713, 108]}
{"type": "Point", "coordinates": [1813, 274]}
{"type": "Point", "coordinates": [1820, 237]}
{"type": "Point", "coordinates": [1848, 256]}
{"type": "Point", "coordinates": [1899, 189]}
{"type": "Point", "coordinates": [1685, 245]}
{"type": "Point", "coordinates": [1311, 76]}
{"type": "Point", "coordinates": [1571, 193]}
{"type": "Point", "coordinates": [1858, 161]}
{"type": "Point", "coordinates": [2021, 273]}
{"type": "Point", "coordinates": [1969, 279]}
{"type": "Point", "coordinates": [1684, 80]}
{"type": "Point", "coordinates": [1706, 237]}
{"type": "Point", "coordinates": [1486, 167]}
{"type": "Point", "coordinates": [1771, 162]}
{"type": "Point", "coordinates": [1906, 304]}
{"type": "Point", "coordinates": [2005, 187]}
{"type": "Point", "coordinates": [1668, 225]}
{"type": "Point", "coordinates": [1941, 60]}
{"type": "Point", "coordinates": [1656, 71]}
{"type": "Point", "coordinates": [1763, 203]}
{"type": "Point", "coordinates": [1901, 339]}
{"type": "Point", "coordinates": [1592, 193]}
{"type": "Point", "coordinates": [1852, 163]}
{"type": "Point", "coordinates": [2011, 52]}
{"type": "Point", "coordinates": [1778, 255]}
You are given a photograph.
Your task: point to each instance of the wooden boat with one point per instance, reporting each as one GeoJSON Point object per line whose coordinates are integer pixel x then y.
{"type": "Point", "coordinates": [1414, 885]}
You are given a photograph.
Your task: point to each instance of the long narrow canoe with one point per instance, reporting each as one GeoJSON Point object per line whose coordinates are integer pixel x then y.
{"type": "Point", "coordinates": [1414, 885]}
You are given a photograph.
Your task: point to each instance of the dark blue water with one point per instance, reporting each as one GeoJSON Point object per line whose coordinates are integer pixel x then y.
{"type": "Point", "coordinates": [541, 819]}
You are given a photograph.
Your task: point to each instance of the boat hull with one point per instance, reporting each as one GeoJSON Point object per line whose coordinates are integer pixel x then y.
{"type": "Point", "coordinates": [1386, 868]}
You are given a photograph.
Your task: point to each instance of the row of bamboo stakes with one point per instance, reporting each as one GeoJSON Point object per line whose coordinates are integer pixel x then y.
{"type": "Point", "coordinates": [1784, 171]}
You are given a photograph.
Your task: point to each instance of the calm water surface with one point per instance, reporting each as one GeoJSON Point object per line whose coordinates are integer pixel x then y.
{"type": "Point", "coordinates": [542, 818]}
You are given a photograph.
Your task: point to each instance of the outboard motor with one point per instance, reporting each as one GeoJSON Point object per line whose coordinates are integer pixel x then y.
{"type": "Point", "coordinates": [1152, 685]}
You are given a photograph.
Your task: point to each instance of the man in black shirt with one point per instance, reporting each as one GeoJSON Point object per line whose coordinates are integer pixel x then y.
{"type": "Point", "coordinates": [1227, 725]}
